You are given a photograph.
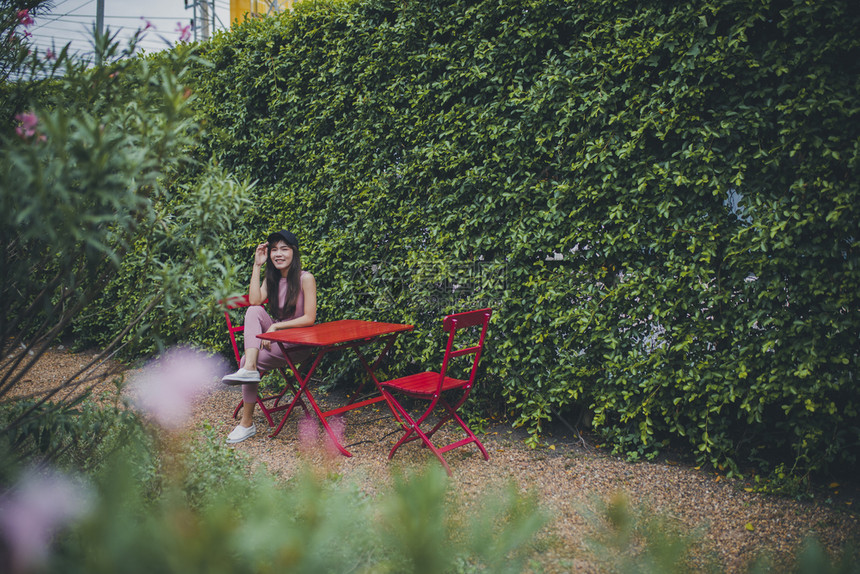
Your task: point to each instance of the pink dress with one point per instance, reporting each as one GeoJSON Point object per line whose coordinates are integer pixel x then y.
{"type": "Point", "coordinates": [257, 322]}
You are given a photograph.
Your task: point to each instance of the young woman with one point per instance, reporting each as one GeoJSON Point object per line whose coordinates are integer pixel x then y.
{"type": "Point", "coordinates": [292, 295]}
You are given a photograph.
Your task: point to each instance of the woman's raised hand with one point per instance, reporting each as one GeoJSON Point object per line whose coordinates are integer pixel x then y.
{"type": "Point", "coordinates": [261, 254]}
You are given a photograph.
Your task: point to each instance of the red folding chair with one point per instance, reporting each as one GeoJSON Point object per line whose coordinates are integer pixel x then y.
{"type": "Point", "coordinates": [434, 386]}
{"type": "Point", "coordinates": [240, 302]}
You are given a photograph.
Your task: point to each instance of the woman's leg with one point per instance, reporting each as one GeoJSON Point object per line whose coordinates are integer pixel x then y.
{"type": "Point", "coordinates": [249, 399]}
{"type": "Point", "coordinates": [267, 360]}
{"type": "Point", "coordinates": [249, 361]}
{"type": "Point", "coordinates": [257, 322]}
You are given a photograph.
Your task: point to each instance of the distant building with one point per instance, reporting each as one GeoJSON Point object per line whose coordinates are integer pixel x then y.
{"type": "Point", "coordinates": [240, 8]}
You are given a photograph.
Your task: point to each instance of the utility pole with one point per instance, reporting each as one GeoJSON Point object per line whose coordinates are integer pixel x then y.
{"type": "Point", "coordinates": [206, 24]}
{"type": "Point", "coordinates": [100, 30]}
{"type": "Point", "coordinates": [100, 17]}
{"type": "Point", "coordinates": [193, 5]}
{"type": "Point", "coordinates": [204, 20]}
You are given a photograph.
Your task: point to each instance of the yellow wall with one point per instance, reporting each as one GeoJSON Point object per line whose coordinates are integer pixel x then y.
{"type": "Point", "coordinates": [239, 8]}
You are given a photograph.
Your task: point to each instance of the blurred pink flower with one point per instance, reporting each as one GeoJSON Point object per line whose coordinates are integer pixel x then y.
{"type": "Point", "coordinates": [148, 24]}
{"type": "Point", "coordinates": [184, 32]}
{"type": "Point", "coordinates": [34, 510]}
{"type": "Point", "coordinates": [49, 54]}
{"type": "Point", "coordinates": [168, 387]}
{"type": "Point", "coordinates": [28, 122]}
{"type": "Point", "coordinates": [308, 433]}
{"type": "Point", "coordinates": [24, 18]}
{"type": "Point", "coordinates": [338, 428]}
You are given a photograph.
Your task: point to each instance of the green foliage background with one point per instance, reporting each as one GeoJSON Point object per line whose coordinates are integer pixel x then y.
{"type": "Point", "coordinates": [659, 201]}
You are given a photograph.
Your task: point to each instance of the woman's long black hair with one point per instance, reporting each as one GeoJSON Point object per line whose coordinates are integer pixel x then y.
{"type": "Point", "coordinates": [294, 284]}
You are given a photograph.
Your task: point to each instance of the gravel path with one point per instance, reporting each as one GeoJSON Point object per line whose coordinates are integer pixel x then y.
{"type": "Point", "coordinates": [739, 525]}
{"type": "Point", "coordinates": [569, 478]}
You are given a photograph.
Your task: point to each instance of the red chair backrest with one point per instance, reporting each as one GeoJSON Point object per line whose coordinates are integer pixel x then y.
{"type": "Point", "coordinates": [236, 302]}
{"type": "Point", "coordinates": [456, 322]}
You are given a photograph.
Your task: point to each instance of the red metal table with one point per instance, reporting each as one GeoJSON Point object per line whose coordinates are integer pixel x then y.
{"type": "Point", "coordinates": [325, 338]}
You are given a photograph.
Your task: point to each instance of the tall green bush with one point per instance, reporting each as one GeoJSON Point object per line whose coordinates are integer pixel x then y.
{"type": "Point", "coordinates": [659, 200]}
{"type": "Point", "coordinates": [89, 157]}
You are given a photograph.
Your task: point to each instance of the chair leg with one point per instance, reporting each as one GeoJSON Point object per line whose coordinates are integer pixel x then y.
{"type": "Point", "coordinates": [276, 407]}
{"type": "Point", "coordinates": [261, 402]}
{"type": "Point", "coordinates": [451, 414]}
{"type": "Point", "coordinates": [263, 408]}
{"type": "Point", "coordinates": [412, 426]}
{"type": "Point", "coordinates": [435, 450]}
{"type": "Point", "coordinates": [471, 436]}
{"type": "Point", "coordinates": [407, 424]}
{"type": "Point", "coordinates": [441, 422]}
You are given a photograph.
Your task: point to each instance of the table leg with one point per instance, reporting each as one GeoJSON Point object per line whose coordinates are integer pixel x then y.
{"type": "Point", "coordinates": [303, 388]}
{"type": "Point", "coordinates": [303, 382]}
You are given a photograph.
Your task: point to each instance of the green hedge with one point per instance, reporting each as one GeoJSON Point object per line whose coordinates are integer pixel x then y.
{"type": "Point", "coordinates": [659, 201]}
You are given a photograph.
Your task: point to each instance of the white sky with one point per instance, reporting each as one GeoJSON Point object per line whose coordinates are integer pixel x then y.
{"type": "Point", "coordinates": [73, 21]}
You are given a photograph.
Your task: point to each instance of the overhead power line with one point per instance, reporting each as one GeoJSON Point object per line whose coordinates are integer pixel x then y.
{"type": "Point", "coordinates": [73, 21]}
{"type": "Point", "coordinates": [109, 17]}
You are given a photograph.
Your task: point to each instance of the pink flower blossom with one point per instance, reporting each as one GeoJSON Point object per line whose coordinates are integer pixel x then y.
{"type": "Point", "coordinates": [27, 127]}
{"type": "Point", "coordinates": [167, 388]}
{"type": "Point", "coordinates": [184, 32]}
{"type": "Point", "coordinates": [24, 18]}
{"type": "Point", "coordinates": [34, 510]}
{"type": "Point", "coordinates": [338, 428]}
{"type": "Point", "coordinates": [308, 433]}
{"type": "Point", "coordinates": [50, 55]}
{"type": "Point", "coordinates": [148, 24]}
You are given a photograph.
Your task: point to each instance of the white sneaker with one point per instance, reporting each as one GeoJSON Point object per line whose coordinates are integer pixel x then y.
{"type": "Point", "coordinates": [241, 433]}
{"type": "Point", "coordinates": [241, 377]}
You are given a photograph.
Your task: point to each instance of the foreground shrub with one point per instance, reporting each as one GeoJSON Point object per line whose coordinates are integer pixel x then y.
{"type": "Point", "coordinates": [88, 155]}
{"type": "Point", "coordinates": [255, 524]}
{"type": "Point", "coordinates": [157, 499]}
